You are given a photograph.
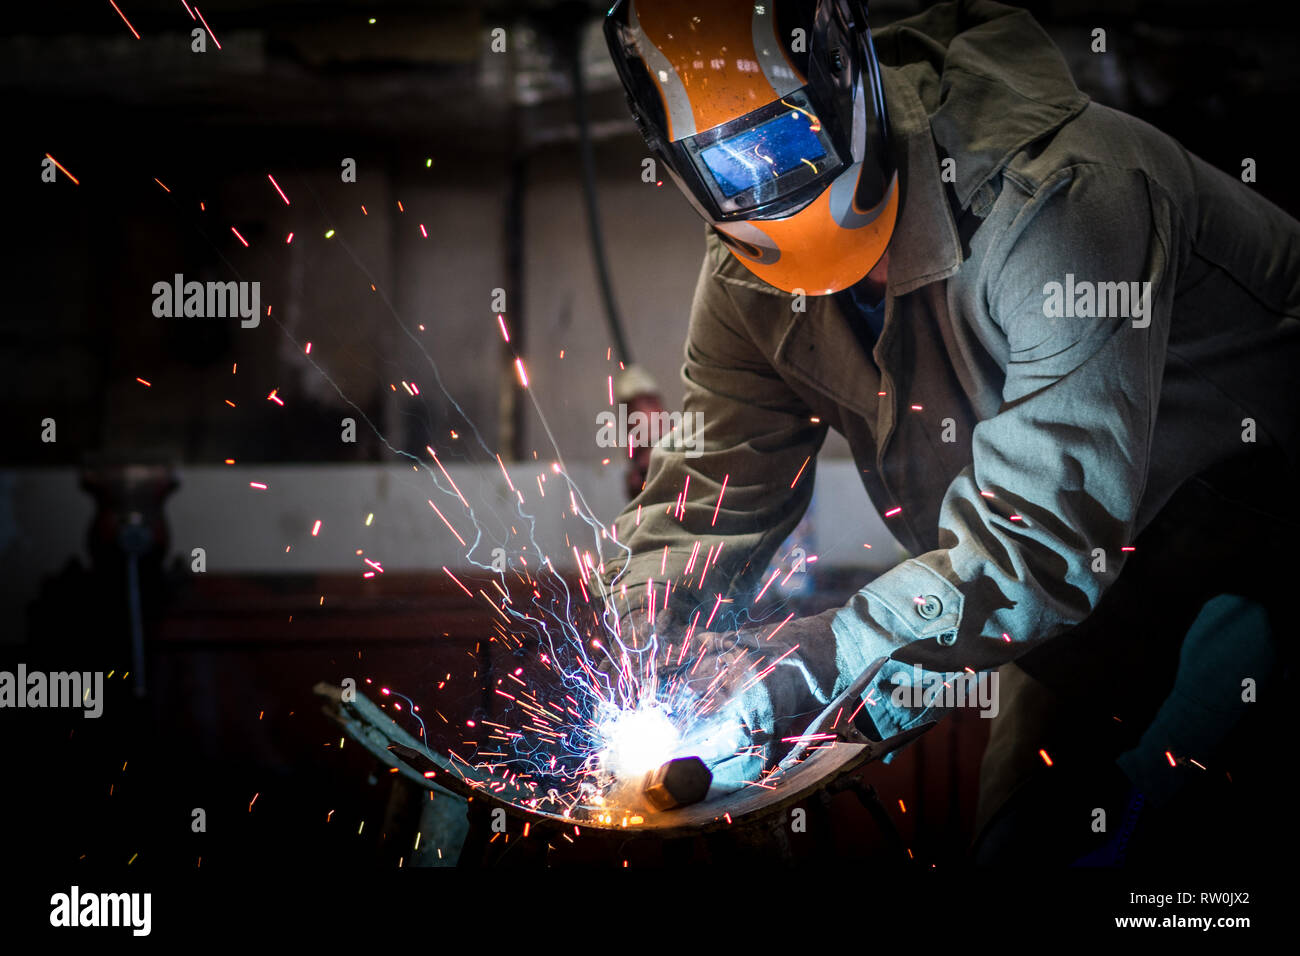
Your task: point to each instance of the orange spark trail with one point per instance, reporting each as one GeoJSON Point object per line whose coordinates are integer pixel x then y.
{"type": "Point", "coordinates": [206, 27]}
{"type": "Point", "coordinates": [278, 189]}
{"type": "Point", "coordinates": [801, 468]}
{"type": "Point", "coordinates": [430, 450]}
{"type": "Point", "coordinates": [74, 179]}
{"type": "Point", "coordinates": [446, 522]}
{"type": "Point", "coordinates": [457, 580]}
{"type": "Point", "coordinates": [721, 492]}
{"type": "Point", "coordinates": [124, 19]}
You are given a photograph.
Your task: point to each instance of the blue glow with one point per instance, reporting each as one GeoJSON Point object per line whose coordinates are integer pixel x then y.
{"type": "Point", "coordinates": [762, 153]}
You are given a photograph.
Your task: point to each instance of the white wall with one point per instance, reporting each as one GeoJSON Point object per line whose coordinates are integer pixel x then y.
{"type": "Point", "coordinates": [44, 519]}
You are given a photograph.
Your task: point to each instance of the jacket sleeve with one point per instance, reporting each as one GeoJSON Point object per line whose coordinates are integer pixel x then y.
{"type": "Point", "coordinates": [1032, 529]}
{"type": "Point", "coordinates": [757, 438]}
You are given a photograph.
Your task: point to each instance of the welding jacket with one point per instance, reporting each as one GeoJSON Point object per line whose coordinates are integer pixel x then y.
{"type": "Point", "coordinates": [1015, 452]}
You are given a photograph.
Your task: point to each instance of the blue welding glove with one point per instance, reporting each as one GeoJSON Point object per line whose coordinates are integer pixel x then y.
{"type": "Point", "coordinates": [772, 679]}
{"type": "Point", "coordinates": [776, 679]}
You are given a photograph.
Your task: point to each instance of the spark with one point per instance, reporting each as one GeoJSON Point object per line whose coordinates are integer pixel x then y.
{"type": "Point", "coordinates": [447, 476]}
{"type": "Point", "coordinates": [206, 27]}
{"type": "Point", "coordinates": [457, 580]}
{"type": "Point", "coordinates": [721, 492]}
{"type": "Point", "coordinates": [800, 473]}
{"type": "Point", "coordinates": [779, 626]}
{"type": "Point", "coordinates": [65, 172]}
{"type": "Point", "coordinates": [814, 124]}
{"type": "Point", "coordinates": [759, 597]}
{"type": "Point", "coordinates": [803, 737]}
{"type": "Point", "coordinates": [446, 522]}
{"type": "Point", "coordinates": [239, 237]}
{"type": "Point", "coordinates": [279, 190]}
{"type": "Point", "coordinates": [129, 27]}
{"type": "Point", "coordinates": [716, 605]}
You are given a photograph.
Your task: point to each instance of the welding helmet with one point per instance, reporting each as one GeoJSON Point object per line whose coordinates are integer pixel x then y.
{"type": "Point", "coordinates": [770, 117]}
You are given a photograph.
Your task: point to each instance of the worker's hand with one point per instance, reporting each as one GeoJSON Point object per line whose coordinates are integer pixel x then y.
{"type": "Point", "coordinates": [774, 678]}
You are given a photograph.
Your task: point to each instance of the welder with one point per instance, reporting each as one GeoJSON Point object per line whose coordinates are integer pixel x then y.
{"type": "Point", "coordinates": [1059, 347]}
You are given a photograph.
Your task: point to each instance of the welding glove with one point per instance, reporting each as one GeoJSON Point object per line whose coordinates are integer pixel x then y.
{"type": "Point", "coordinates": [772, 678]}
{"type": "Point", "coordinates": [776, 679]}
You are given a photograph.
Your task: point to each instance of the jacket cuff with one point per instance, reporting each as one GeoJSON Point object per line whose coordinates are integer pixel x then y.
{"type": "Point", "coordinates": [909, 603]}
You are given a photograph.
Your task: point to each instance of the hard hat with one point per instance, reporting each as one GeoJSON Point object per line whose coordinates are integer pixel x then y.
{"type": "Point", "coordinates": [771, 118]}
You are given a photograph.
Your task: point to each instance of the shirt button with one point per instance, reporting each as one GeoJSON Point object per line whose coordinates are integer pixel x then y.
{"type": "Point", "coordinates": [930, 608]}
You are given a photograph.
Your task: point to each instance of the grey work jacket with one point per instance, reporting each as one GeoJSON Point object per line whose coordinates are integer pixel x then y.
{"type": "Point", "coordinates": [1037, 443]}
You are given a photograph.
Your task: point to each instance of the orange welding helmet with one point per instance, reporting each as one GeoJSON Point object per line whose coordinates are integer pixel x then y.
{"type": "Point", "coordinates": [769, 114]}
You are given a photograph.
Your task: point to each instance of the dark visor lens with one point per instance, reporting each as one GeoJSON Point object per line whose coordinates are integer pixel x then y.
{"type": "Point", "coordinates": [764, 153]}
{"type": "Point", "coordinates": [768, 156]}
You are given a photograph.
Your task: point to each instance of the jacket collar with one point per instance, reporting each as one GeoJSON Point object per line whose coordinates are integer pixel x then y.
{"type": "Point", "coordinates": [924, 247]}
